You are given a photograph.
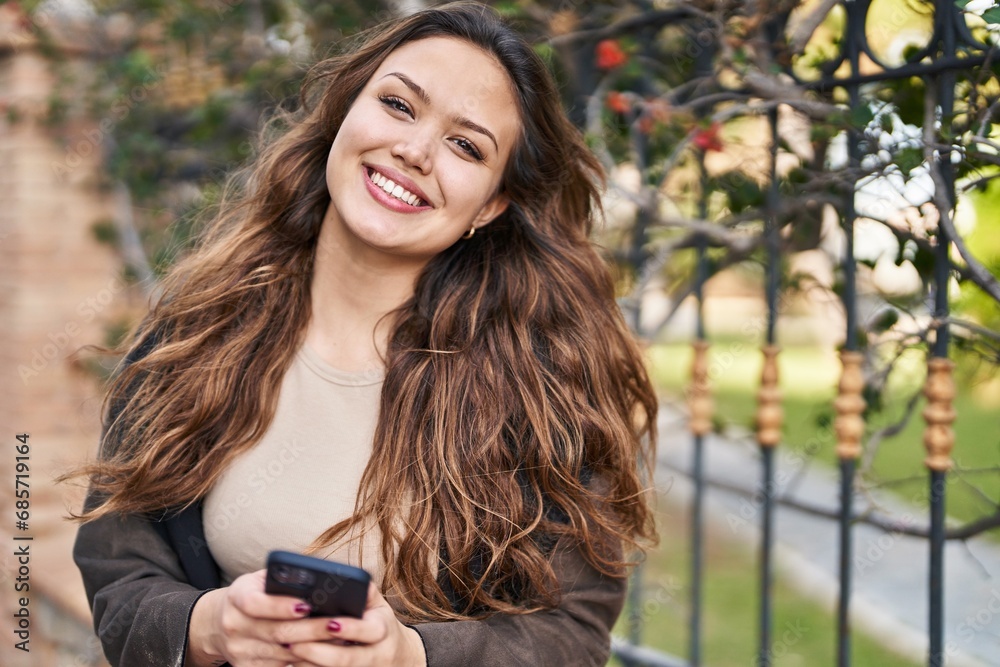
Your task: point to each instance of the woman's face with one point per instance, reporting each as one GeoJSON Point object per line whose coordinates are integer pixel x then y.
{"type": "Point", "coordinates": [438, 119]}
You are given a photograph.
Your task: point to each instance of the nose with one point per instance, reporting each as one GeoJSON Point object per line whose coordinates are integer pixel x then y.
{"type": "Point", "coordinates": [415, 150]}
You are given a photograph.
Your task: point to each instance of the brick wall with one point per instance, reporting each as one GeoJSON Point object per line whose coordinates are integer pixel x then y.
{"type": "Point", "coordinates": [58, 289]}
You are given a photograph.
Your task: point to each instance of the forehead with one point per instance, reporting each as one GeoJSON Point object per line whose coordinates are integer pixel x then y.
{"type": "Point", "coordinates": [460, 79]}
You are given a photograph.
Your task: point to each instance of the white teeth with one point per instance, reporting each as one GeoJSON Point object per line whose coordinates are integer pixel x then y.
{"type": "Point", "coordinates": [397, 191]}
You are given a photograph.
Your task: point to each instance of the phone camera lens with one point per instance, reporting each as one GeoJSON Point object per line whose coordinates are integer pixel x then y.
{"type": "Point", "coordinates": [283, 574]}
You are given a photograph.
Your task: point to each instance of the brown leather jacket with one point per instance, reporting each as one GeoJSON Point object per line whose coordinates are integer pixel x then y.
{"type": "Point", "coordinates": [142, 598]}
{"type": "Point", "coordinates": [143, 576]}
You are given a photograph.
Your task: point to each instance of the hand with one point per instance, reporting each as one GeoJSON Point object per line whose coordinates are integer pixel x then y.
{"type": "Point", "coordinates": [243, 625]}
{"type": "Point", "coordinates": [380, 640]}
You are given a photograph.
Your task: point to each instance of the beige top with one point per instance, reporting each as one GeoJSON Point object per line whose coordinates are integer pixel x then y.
{"type": "Point", "coordinates": [302, 477]}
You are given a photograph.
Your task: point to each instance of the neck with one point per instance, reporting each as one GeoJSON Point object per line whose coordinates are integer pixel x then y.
{"type": "Point", "coordinates": [353, 290]}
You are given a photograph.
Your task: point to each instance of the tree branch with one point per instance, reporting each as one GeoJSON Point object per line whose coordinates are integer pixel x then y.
{"type": "Point", "coordinates": [803, 32]}
{"type": "Point", "coordinates": [869, 517]}
{"type": "Point", "coordinates": [132, 251]}
{"type": "Point", "coordinates": [978, 273]}
{"type": "Point", "coordinates": [645, 21]}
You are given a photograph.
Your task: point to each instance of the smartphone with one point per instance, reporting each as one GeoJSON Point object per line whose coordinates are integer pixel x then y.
{"type": "Point", "coordinates": [331, 589]}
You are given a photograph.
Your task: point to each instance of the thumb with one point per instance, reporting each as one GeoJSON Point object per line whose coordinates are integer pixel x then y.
{"type": "Point", "coordinates": [375, 598]}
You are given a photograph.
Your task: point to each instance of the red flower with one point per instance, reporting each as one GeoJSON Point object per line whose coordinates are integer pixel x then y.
{"type": "Point", "coordinates": [610, 54]}
{"type": "Point", "coordinates": [707, 139]}
{"type": "Point", "coordinates": [618, 102]}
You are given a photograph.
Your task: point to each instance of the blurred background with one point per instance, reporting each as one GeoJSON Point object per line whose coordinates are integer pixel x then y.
{"type": "Point", "coordinates": [803, 178]}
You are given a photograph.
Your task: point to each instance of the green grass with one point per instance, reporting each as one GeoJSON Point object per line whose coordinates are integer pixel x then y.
{"type": "Point", "coordinates": [803, 631]}
{"type": "Point", "coordinates": [808, 379]}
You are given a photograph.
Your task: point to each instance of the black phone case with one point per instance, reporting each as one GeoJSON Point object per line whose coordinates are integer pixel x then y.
{"type": "Point", "coordinates": [331, 589]}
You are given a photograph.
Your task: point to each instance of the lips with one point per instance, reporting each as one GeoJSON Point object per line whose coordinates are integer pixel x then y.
{"type": "Point", "coordinates": [394, 189]}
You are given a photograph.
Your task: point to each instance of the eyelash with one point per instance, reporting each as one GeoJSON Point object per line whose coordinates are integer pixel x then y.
{"type": "Point", "coordinates": [390, 101]}
{"type": "Point", "coordinates": [399, 105]}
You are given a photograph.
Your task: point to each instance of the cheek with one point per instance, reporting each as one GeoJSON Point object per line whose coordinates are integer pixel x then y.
{"type": "Point", "coordinates": [332, 160]}
{"type": "Point", "coordinates": [351, 137]}
{"type": "Point", "coordinates": [470, 189]}
{"type": "Point", "coordinates": [364, 126]}
{"type": "Point", "coordinates": [349, 143]}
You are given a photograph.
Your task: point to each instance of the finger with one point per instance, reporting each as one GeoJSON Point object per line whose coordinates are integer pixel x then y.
{"type": "Point", "coordinates": [326, 653]}
{"type": "Point", "coordinates": [249, 597]}
{"type": "Point", "coordinates": [368, 630]}
{"type": "Point", "coordinates": [261, 653]}
{"type": "Point", "coordinates": [298, 631]}
{"type": "Point", "coordinates": [371, 628]}
{"type": "Point", "coordinates": [375, 598]}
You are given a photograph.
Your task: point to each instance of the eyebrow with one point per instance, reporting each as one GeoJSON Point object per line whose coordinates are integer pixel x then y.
{"type": "Point", "coordinates": [459, 120]}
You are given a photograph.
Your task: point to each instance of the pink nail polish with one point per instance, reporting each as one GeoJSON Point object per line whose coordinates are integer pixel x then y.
{"type": "Point", "coordinates": [302, 608]}
{"type": "Point", "coordinates": [333, 626]}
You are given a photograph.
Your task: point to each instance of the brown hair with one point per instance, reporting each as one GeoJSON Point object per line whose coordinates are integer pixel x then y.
{"type": "Point", "coordinates": [515, 402]}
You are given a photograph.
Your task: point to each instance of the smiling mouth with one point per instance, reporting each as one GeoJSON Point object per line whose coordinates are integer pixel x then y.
{"type": "Point", "coordinates": [394, 189]}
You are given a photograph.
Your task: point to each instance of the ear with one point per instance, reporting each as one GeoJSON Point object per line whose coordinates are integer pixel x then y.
{"type": "Point", "coordinates": [491, 209]}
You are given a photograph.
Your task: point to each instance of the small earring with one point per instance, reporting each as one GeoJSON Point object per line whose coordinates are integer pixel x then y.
{"type": "Point", "coordinates": [469, 234]}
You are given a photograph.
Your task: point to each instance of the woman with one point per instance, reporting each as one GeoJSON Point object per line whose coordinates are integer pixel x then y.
{"type": "Point", "coordinates": [395, 348]}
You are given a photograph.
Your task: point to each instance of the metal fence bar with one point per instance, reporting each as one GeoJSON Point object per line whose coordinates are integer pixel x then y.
{"type": "Point", "coordinates": [847, 472]}
{"type": "Point", "coordinates": [700, 424]}
{"type": "Point", "coordinates": [641, 656]}
{"type": "Point", "coordinates": [849, 405]}
{"type": "Point", "coordinates": [634, 613]}
{"type": "Point", "coordinates": [638, 257]}
{"type": "Point", "coordinates": [769, 416]}
{"type": "Point", "coordinates": [940, 389]}
{"type": "Point", "coordinates": [936, 584]}
{"type": "Point", "coordinates": [766, 541]}
{"type": "Point", "coordinates": [850, 428]}
{"type": "Point", "coordinates": [697, 550]}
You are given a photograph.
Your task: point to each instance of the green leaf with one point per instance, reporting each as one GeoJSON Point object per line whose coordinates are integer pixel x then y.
{"type": "Point", "coordinates": [873, 399]}
{"type": "Point", "coordinates": [908, 159]}
{"type": "Point", "coordinates": [992, 15]}
{"type": "Point", "coordinates": [908, 98]}
{"type": "Point", "coordinates": [507, 9]}
{"type": "Point", "coordinates": [885, 320]}
{"type": "Point", "coordinates": [923, 261]}
{"type": "Point", "coordinates": [545, 51]}
{"type": "Point", "coordinates": [861, 115]}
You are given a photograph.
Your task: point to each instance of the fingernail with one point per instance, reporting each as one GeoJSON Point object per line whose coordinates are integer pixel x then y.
{"type": "Point", "coordinates": [333, 626]}
{"type": "Point", "coordinates": [302, 608]}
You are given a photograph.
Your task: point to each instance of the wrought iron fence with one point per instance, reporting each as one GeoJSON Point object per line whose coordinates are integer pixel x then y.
{"type": "Point", "coordinates": [952, 49]}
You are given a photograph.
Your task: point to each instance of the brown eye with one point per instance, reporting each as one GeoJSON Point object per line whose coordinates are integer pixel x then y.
{"type": "Point", "coordinates": [395, 104]}
{"type": "Point", "coordinates": [469, 148]}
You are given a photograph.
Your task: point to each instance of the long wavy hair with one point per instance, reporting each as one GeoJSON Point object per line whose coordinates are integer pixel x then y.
{"type": "Point", "coordinates": [515, 411]}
